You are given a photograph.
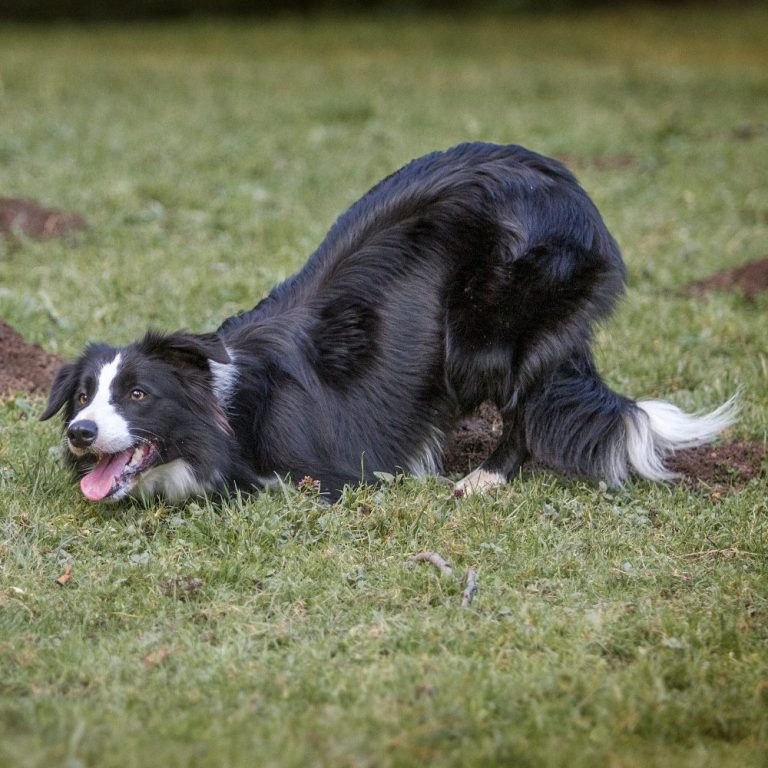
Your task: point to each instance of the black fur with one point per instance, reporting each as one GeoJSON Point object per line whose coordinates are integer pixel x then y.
{"type": "Point", "coordinates": [469, 275]}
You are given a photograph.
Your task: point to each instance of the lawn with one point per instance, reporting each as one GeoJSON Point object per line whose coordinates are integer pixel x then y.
{"type": "Point", "coordinates": [613, 628]}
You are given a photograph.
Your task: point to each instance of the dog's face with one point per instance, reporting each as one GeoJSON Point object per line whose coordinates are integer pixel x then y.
{"type": "Point", "coordinates": [134, 416]}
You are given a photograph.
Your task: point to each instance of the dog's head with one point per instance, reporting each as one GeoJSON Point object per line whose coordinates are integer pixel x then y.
{"type": "Point", "coordinates": [145, 417]}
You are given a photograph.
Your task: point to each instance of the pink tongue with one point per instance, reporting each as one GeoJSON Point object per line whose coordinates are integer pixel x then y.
{"type": "Point", "coordinates": [98, 482]}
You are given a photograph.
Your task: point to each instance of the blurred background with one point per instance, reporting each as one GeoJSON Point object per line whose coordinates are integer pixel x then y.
{"type": "Point", "coordinates": [132, 9]}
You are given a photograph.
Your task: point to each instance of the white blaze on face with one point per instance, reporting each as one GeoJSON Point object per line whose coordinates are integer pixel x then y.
{"type": "Point", "coordinates": [113, 434]}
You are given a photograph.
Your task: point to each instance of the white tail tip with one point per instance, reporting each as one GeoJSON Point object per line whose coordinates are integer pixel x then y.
{"type": "Point", "coordinates": [658, 428]}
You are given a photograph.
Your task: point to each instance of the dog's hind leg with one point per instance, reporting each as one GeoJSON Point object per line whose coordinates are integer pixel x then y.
{"type": "Point", "coordinates": [503, 463]}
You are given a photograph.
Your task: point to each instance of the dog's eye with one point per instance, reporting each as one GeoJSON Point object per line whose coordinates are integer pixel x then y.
{"type": "Point", "coordinates": [138, 394]}
{"type": "Point", "coordinates": [82, 398]}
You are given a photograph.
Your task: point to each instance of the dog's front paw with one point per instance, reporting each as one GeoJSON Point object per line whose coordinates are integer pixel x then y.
{"type": "Point", "coordinates": [478, 481]}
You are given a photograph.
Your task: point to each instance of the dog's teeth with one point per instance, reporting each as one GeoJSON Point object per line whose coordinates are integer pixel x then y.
{"type": "Point", "coordinates": [138, 455]}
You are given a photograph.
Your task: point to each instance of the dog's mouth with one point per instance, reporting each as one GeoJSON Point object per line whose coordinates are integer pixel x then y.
{"type": "Point", "coordinates": [115, 474]}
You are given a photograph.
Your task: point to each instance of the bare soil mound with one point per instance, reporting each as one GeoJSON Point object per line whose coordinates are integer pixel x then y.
{"type": "Point", "coordinates": [727, 465]}
{"type": "Point", "coordinates": [30, 219]}
{"type": "Point", "coordinates": [750, 278]}
{"type": "Point", "coordinates": [475, 437]}
{"type": "Point", "coordinates": [23, 366]}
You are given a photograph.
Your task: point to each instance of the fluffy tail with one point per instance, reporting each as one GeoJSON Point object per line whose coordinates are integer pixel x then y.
{"type": "Point", "coordinates": [577, 424]}
{"type": "Point", "coordinates": [655, 429]}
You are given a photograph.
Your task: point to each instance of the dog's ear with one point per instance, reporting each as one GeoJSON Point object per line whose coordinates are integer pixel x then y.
{"type": "Point", "coordinates": [62, 390]}
{"type": "Point", "coordinates": [182, 348]}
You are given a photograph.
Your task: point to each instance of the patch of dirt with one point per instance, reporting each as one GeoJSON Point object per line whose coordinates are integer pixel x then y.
{"type": "Point", "coordinates": [729, 465]}
{"type": "Point", "coordinates": [743, 132]}
{"type": "Point", "coordinates": [30, 219]}
{"type": "Point", "coordinates": [475, 437]}
{"type": "Point", "coordinates": [748, 131]}
{"type": "Point", "coordinates": [23, 366]}
{"type": "Point", "coordinates": [750, 278]}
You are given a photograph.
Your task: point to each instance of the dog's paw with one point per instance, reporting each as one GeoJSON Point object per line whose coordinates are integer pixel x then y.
{"type": "Point", "coordinates": [478, 481]}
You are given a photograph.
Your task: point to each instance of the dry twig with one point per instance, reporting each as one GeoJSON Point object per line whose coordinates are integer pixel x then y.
{"type": "Point", "coordinates": [444, 567]}
{"type": "Point", "coordinates": [718, 552]}
{"type": "Point", "coordinates": [471, 589]}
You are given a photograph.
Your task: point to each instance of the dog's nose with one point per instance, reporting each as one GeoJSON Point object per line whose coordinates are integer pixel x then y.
{"type": "Point", "coordinates": [82, 433]}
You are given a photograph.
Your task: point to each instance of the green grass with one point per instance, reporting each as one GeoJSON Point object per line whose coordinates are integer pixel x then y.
{"type": "Point", "coordinates": [611, 629]}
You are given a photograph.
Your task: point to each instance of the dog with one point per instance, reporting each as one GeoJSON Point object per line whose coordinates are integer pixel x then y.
{"type": "Point", "coordinates": [468, 275]}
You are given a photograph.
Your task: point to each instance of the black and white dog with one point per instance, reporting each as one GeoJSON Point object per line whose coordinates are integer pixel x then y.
{"type": "Point", "coordinates": [469, 275]}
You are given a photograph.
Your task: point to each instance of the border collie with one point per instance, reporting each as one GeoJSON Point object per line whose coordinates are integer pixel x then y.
{"type": "Point", "coordinates": [468, 275]}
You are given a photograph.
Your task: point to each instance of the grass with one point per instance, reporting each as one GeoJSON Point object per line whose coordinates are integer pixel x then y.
{"type": "Point", "coordinates": [615, 629]}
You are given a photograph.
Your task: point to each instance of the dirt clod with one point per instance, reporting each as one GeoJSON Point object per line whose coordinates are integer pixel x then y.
{"type": "Point", "coordinates": [30, 219]}
{"type": "Point", "coordinates": [23, 366]}
{"type": "Point", "coordinates": [474, 439]}
{"type": "Point", "coordinates": [731, 465]}
{"type": "Point", "coordinates": [750, 279]}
